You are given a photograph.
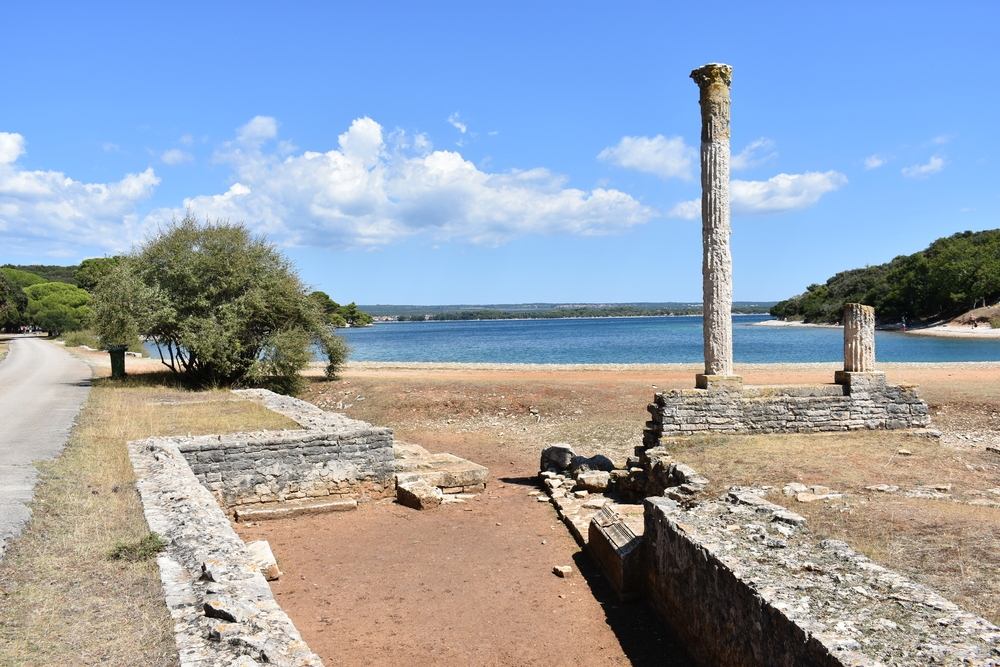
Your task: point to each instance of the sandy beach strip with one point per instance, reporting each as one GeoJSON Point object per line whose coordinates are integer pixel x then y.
{"type": "Point", "coordinates": [946, 330]}
{"type": "Point", "coordinates": [957, 331]}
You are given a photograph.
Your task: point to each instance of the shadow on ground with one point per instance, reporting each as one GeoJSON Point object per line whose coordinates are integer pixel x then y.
{"type": "Point", "coordinates": [642, 636]}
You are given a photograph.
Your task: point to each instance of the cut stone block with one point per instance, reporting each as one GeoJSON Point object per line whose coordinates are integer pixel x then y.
{"type": "Point", "coordinates": [418, 494]}
{"type": "Point", "coordinates": [260, 551]}
{"type": "Point", "coordinates": [293, 509]}
{"type": "Point", "coordinates": [595, 480]}
{"type": "Point", "coordinates": [616, 544]}
{"type": "Point", "coordinates": [441, 470]}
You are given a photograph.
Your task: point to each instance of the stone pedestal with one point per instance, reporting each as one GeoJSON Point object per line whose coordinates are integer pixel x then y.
{"type": "Point", "coordinates": [718, 382]}
{"type": "Point", "coordinates": [717, 263]}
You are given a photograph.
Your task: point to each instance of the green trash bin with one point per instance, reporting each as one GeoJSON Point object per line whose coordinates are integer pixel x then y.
{"type": "Point", "coordinates": [117, 353]}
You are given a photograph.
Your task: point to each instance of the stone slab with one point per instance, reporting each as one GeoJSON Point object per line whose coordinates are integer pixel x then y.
{"type": "Point", "coordinates": [290, 510]}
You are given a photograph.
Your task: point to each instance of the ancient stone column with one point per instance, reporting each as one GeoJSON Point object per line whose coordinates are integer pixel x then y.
{"type": "Point", "coordinates": [859, 372]}
{"type": "Point", "coordinates": [859, 338]}
{"type": "Point", "coordinates": [717, 262]}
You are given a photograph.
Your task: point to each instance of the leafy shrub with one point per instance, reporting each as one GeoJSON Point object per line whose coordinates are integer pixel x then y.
{"type": "Point", "coordinates": [83, 337]}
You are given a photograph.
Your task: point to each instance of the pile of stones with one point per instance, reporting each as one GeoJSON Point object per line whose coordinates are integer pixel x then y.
{"type": "Point", "coordinates": [600, 503]}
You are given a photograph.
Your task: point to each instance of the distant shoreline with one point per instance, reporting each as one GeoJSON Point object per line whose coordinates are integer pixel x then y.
{"type": "Point", "coordinates": [379, 320]}
{"type": "Point", "coordinates": [945, 330]}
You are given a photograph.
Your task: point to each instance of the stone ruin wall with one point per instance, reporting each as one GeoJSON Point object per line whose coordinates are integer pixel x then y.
{"type": "Point", "coordinates": [741, 582]}
{"type": "Point", "coordinates": [223, 610]}
{"type": "Point", "coordinates": [279, 466]}
{"type": "Point", "coordinates": [790, 409]}
{"type": "Point", "coordinates": [222, 607]}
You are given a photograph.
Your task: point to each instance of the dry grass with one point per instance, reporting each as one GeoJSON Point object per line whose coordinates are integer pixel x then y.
{"type": "Point", "coordinates": [3, 349]}
{"type": "Point", "coordinates": [64, 600]}
{"type": "Point", "coordinates": [949, 546]}
{"type": "Point", "coordinates": [954, 548]}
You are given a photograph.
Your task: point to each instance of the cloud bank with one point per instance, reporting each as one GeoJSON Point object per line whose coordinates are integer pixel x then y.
{"type": "Point", "coordinates": [367, 194]}
{"type": "Point", "coordinates": [667, 158]}
{"type": "Point", "coordinates": [784, 192]}
{"type": "Point", "coordinates": [47, 212]}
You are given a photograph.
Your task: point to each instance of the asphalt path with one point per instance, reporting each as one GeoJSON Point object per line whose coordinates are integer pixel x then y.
{"type": "Point", "coordinates": [42, 387]}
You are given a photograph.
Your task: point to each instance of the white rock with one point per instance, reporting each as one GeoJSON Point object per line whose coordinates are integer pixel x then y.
{"type": "Point", "coordinates": [261, 553]}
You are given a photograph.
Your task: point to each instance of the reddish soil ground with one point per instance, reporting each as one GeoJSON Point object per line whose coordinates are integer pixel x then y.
{"type": "Point", "coordinates": [472, 584]}
{"type": "Point", "coordinates": [465, 584]}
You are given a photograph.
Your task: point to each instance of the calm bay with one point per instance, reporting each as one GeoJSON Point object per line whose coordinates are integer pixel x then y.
{"type": "Point", "coordinates": [635, 340]}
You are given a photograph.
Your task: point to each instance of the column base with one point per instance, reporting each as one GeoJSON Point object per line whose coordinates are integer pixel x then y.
{"type": "Point", "coordinates": [702, 381]}
{"type": "Point", "coordinates": [860, 380]}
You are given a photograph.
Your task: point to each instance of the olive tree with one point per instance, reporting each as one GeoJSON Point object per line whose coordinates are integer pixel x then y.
{"type": "Point", "coordinates": [223, 306]}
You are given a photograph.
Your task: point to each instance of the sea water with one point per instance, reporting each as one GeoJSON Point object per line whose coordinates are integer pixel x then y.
{"type": "Point", "coordinates": [636, 340]}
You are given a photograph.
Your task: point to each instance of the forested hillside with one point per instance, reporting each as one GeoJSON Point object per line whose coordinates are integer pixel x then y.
{"type": "Point", "coordinates": [952, 275]}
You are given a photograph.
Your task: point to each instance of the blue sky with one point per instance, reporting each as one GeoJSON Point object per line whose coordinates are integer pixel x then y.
{"type": "Point", "coordinates": [498, 152]}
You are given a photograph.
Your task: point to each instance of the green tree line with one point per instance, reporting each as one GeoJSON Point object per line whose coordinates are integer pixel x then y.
{"type": "Point", "coordinates": [951, 276]}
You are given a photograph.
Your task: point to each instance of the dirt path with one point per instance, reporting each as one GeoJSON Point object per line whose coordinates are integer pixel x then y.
{"type": "Point", "coordinates": [464, 584]}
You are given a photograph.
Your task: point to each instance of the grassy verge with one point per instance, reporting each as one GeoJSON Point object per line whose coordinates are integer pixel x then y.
{"type": "Point", "coordinates": [65, 600]}
{"type": "Point", "coordinates": [3, 349]}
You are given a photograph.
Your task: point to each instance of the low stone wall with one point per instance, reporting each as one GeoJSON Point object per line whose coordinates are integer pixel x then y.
{"type": "Point", "coordinates": [740, 583]}
{"type": "Point", "coordinates": [864, 401]}
{"type": "Point", "coordinates": [223, 610]}
{"type": "Point", "coordinates": [332, 458]}
{"type": "Point", "coordinates": [280, 466]}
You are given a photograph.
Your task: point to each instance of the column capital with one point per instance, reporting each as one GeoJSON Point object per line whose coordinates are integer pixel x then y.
{"type": "Point", "coordinates": [713, 73]}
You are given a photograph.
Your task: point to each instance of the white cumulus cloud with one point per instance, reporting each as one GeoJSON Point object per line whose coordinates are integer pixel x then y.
{"type": "Point", "coordinates": [755, 154]}
{"type": "Point", "coordinates": [176, 156]}
{"type": "Point", "coordinates": [874, 161]}
{"type": "Point", "coordinates": [49, 212]}
{"type": "Point", "coordinates": [933, 166]}
{"type": "Point", "coordinates": [784, 192]}
{"type": "Point", "coordinates": [11, 147]}
{"type": "Point", "coordinates": [363, 195]}
{"type": "Point", "coordinates": [667, 158]}
{"type": "Point", "coordinates": [258, 130]}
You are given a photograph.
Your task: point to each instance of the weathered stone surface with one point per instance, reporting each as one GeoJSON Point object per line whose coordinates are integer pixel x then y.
{"type": "Point", "coordinates": [714, 81]}
{"type": "Point", "coordinates": [582, 464]}
{"type": "Point", "coordinates": [293, 509]}
{"type": "Point", "coordinates": [556, 458]}
{"type": "Point", "coordinates": [441, 470]}
{"type": "Point", "coordinates": [418, 494]}
{"type": "Point", "coordinates": [738, 591]}
{"type": "Point", "coordinates": [859, 338]}
{"type": "Point", "coordinates": [563, 571]}
{"type": "Point", "coordinates": [207, 571]}
{"type": "Point", "coordinates": [615, 542]}
{"type": "Point", "coordinates": [874, 404]}
{"type": "Point", "coordinates": [596, 481]}
{"type": "Point", "coordinates": [261, 553]}
{"type": "Point", "coordinates": [341, 460]}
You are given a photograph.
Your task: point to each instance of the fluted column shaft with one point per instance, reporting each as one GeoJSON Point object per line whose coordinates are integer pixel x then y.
{"type": "Point", "coordinates": [859, 338]}
{"type": "Point", "coordinates": [714, 81]}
